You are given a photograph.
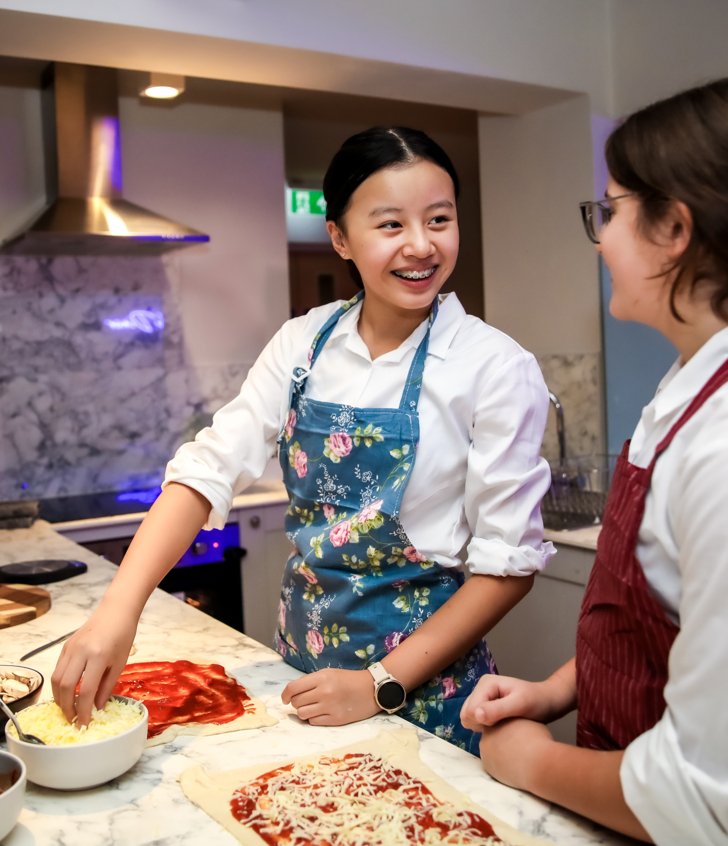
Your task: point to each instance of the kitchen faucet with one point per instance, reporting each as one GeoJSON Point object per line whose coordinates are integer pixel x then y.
{"type": "Point", "coordinates": [560, 431]}
{"type": "Point", "coordinates": [575, 498]}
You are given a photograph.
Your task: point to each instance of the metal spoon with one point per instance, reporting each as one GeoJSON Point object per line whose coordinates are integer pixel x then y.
{"type": "Point", "coordinates": [27, 738]}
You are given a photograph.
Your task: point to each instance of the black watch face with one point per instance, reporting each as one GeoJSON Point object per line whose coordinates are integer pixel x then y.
{"type": "Point", "coordinates": [391, 695]}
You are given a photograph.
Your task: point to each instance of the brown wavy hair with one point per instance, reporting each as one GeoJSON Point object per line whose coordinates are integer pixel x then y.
{"type": "Point", "coordinates": [677, 149]}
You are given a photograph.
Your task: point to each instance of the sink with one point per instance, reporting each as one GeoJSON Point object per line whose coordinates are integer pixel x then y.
{"type": "Point", "coordinates": [578, 492]}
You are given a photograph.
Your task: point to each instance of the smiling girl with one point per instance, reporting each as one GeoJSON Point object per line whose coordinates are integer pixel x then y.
{"type": "Point", "coordinates": [408, 434]}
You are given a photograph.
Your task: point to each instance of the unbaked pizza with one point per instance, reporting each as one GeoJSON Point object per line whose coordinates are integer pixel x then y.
{"type": "Point", "coordinates": [376, 793]}
{"type": "Point", "coordinates": [183, 697]}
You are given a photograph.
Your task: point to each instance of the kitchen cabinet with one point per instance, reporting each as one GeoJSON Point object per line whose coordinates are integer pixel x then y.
{"type": "Point", "coordinates": [539, 634]}
{"type": "Point", "coordinates": [267, 548]}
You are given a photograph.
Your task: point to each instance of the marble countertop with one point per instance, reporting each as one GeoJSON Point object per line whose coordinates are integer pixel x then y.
{"type": "Point", "coordinates": [146, 805]}
{"type": "Point", "coordinates": [584, 538]}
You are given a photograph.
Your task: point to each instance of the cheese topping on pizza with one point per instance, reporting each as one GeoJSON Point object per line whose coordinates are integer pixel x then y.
{"type": "Point", "coordinates": [181, 693]}
{"type": "Point", "coordinates": [357, 799]}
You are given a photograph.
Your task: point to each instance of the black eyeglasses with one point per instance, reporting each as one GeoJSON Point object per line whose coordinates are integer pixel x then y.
{"type": "Point", "coordinates": [596, 214]}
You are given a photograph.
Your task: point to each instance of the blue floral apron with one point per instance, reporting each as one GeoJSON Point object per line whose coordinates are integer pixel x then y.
{"type": "Point", "coordinates": [355, 586]}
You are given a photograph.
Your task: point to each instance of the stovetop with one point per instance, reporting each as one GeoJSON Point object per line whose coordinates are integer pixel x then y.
{"type": "Point", "coordinates": [62, 509]}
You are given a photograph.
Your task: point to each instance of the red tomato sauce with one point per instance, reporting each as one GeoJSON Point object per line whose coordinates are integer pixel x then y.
{"type": "Point", "coordinates": [180, 692]}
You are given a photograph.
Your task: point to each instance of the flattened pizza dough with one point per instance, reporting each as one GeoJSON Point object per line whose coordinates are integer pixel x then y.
{"type": "Point", "coordinates": [184, 697]}
{"type": "Point", "coordinates": [377, 791]}
{"type": "Point", "coordinates": [258, 717]}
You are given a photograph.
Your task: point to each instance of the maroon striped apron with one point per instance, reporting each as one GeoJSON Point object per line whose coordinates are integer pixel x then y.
{"type": "Point", "coordinates": [624, 635]}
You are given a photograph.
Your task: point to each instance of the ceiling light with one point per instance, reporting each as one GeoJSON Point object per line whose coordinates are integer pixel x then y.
{"type": "Point", "coordinates": [163, 86]}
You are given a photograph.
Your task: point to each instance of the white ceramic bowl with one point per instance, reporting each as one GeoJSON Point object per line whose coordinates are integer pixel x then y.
{"type": "Point", "coordinates": [77, 766]}
{"type": "Point", "coordinates": [11, 800]}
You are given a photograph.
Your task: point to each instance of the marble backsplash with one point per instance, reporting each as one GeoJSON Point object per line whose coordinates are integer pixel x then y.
{"type": "Point", "coordinates": [99, 383]}
{"type": "Point", "coordinates": [96, 387]}
{"type": "Point", "coordinates": [576, 380]}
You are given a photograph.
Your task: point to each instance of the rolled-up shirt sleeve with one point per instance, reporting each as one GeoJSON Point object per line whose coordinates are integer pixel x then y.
{"type": "Point", "coordinates": [506, 475]}
{"type": "Point", "coordinates": [233, 451]}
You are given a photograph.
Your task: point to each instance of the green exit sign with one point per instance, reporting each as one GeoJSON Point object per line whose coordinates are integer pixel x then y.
{"type": "Point", "coordinates": [307, 202]}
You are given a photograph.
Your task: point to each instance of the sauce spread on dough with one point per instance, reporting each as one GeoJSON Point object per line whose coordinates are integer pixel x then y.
{"type": "Point", "coordinates": [355, 799]}
{"type": "Point", "coordinates": [180, 692]}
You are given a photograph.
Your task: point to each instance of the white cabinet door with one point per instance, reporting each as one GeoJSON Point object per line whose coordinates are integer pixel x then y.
{"type": "Point", "coordinates": [539, 634]}
{"type": "Point", "coordinates": [263, 536]}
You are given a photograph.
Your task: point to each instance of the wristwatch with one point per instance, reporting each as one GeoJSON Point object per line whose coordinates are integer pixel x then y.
{"type": "Point", "coordinates": [389, 694]}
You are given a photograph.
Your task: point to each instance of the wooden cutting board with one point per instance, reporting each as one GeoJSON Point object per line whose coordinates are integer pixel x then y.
{"type": "Point", "coordinates": [20, 603]}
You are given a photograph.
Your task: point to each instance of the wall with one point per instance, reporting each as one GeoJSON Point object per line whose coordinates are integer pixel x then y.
{"type": "Point", "coordinates": [659, 47]}
{"type": "Point", "coordinates": [21, 168]}
{"type": "Point", "coordinates": [87, 408]}
{"type": "Point", "coordinates": [541, 283]}
{"type": "Point", "coordinates": [490, 55]}
{"type": "Point", "coordinates": [221, 167]}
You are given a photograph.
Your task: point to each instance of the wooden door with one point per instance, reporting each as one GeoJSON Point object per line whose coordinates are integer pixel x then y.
{"type": "Point", "coordinates": [317, 276]}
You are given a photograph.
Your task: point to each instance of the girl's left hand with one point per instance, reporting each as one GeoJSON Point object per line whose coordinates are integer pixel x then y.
{"type": "Point", "coordinates": [512, 750]}
{"type": "Point", "coordinates": [332, 697]}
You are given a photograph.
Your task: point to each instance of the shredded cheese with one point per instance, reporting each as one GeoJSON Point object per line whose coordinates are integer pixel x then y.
{"type": "Point", "coordinates": [47, 721]}
{"type": "Point", "coordinates": [357, 800]}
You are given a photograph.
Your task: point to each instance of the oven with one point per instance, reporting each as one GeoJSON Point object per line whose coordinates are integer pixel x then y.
{"type": "Point", "coordinates": [208, 576]}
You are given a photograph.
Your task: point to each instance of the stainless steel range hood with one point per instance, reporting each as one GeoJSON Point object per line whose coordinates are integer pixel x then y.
{"type": "Point", "coordinates": [86, 214]}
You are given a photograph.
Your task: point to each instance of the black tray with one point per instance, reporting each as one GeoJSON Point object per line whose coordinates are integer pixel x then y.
{"type": "Point", "coordinates": [40, 572]}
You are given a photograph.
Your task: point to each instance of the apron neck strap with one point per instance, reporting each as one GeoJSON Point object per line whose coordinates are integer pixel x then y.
{"type": "Point", "coordinates": [413, 385]}
{"type": "Point", "coordinates": [325, 331]}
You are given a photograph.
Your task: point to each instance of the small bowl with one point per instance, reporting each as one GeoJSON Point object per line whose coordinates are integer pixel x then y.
{"type": "Point", "coordinates": [77, 766]}
{"type": "Point", "coordinates": [11, 798]}
{"type": "Point", "coordinates": [29, 698]}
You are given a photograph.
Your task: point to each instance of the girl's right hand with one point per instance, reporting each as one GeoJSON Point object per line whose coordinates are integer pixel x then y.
{"type": "Point", "coordinates": [94, 656]}
{"type": "Point", "coordinates": [497, 698]}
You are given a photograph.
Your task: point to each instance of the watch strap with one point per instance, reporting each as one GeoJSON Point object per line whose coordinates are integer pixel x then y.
{"type": "Point", "coordinates": [379, 673]}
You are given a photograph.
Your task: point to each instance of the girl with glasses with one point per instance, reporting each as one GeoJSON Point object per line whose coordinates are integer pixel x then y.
{"type": "Point", "coordinates": [408, 434]}
{"type": "Point", "coordinates": [651, 665]}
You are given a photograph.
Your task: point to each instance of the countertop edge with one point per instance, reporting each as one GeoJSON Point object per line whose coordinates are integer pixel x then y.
{"type": "Point", "coordinates": [261, 493]}
{"type": "Point", "coordinates": [274, 493]}
{"type": "Point", "coordinates": [585, 538]}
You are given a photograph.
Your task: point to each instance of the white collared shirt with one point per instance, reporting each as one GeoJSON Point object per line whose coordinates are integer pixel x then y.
{"type": "Point", "coordinates": [478, 478]}
{"type": "Point", "coordinates": [675, 776]}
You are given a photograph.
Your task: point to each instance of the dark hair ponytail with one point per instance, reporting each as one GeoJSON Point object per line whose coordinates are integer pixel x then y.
{"type": "Point", "coordinates": [370, 151]}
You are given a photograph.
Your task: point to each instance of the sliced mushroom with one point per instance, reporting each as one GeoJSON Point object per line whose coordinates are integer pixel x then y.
{"type": "Point", "coordinates": [16, 684]}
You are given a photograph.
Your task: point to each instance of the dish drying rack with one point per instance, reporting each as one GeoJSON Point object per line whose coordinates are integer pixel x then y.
{"type": "Point", "coordinates": [567, 505]}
